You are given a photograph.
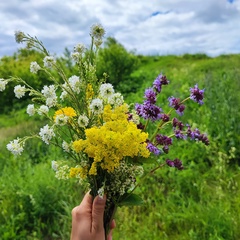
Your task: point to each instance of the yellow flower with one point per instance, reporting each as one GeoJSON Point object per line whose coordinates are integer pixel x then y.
{"type": "Point", "coordinates": [78, 172]}
{"type": "Point", "coordinates": [66, 111]}
{"type": "Point", "coordinates": [89, 92]}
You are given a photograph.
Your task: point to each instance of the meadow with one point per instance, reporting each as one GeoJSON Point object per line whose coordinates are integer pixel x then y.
{"type": "Point", "coordinates": [200, 202]}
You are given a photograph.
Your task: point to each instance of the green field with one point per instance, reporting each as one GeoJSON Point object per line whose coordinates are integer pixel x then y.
{"type": "Point", "coordinates": [201, 202]}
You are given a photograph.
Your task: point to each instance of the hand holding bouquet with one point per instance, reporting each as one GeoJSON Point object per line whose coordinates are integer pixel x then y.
{"type": "Point", "coordinates": [107, 141]}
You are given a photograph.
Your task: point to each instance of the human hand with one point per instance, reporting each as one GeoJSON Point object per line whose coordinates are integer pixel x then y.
{"type": "Point", "coordinates": [87, 219]}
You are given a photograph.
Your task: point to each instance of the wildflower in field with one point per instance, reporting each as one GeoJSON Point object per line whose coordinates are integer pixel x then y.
{"type": "Point", "coordinates": [197, 94]}
{"type": "Point", "coordinates": [83, 121]}
{"type": "Point", "coordinates": [43, 110]}
{"type": "Point", "coordinates": [46, 133]}
{"type": "Point", "coordinates": [66, 147]}
{"type": "Point", "coordinates": [31, 109]}
{"type": "Point", "coordinates": [15, 146]}
{"type": "Point", "coordinates": [175, 163]}
{"type": "Point", "coordinates": [96, 106]}
{"type": "Point", "coordinates": [49, 61]}
{"type": "Point", "coordinates": [34, 67]}
{"type": "Point", "coordinates": [19, 91]}
{"type": "Point", "coordinates": [49, 92]}
{"type": "Point", "coordinates": [75, 84]}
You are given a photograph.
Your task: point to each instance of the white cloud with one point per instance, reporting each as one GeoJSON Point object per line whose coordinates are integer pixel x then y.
{"type": "Point", "coordinates": [149, 27]}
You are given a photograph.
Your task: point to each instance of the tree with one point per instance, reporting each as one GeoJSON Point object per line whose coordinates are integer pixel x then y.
{"type": "Point", "coordinates": [117, 62]}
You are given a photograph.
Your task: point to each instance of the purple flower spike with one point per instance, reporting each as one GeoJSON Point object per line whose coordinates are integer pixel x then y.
{"type": "Point", "coordinates": [175, 163]}
{"type": "Point", "coordinates": [159, 81]}
{"type": "Point", "coordinates": [153, 149]}
{"type": "Point", "coordinates": [150, 95]}
{"type": "Point", "coordinates": [197, 94]}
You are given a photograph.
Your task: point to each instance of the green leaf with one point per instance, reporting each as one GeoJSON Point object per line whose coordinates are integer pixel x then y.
{"type": "Point", "coordinates": [130, 200]}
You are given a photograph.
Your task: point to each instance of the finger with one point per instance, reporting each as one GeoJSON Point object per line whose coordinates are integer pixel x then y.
{"type": "Point", "coordinates": [113, 224]}
{"type": "Point", "coordinates": [98, 213]}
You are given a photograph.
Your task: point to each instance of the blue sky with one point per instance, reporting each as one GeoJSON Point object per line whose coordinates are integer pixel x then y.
{"type": "Point", "coordinates": [158, 27]}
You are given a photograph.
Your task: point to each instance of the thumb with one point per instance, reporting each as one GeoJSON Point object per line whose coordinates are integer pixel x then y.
{"type": "Point", "coordinates": [98, 213]}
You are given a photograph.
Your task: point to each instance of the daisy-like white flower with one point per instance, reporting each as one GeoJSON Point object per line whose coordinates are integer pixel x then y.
{"type": "Point", "coordinates": [83, 121]}
{"type": "Point", "coordinates": [34, 67]}
{"type": "Point", "coordinates": [15, 147]}
{"type": "Point", "coordinates": [30, 109]}
{"type": "Point", "coordinates": [65, 146]}
{"type": "Point", "coordinates": [19, 91]}
{"type": "Point", "coordinates": [3, 84]}
{"type": "Point", "coordinates": [106, 90]}
{"type": "Point", "coordinates": [46, 133]}
{"type": "Point", "coordinates": [61, 119]}
{"type": "Point", "coordinates": [96, 106]}
{"type": "Point", "coordinates": [101, 192]}
{"type": "Point", "coordinates": [49, 61]}
{"type": "Point", "coordinates": [116, 99]}
{"type": "Point", "coordinates": [75, 56]}
{"type": "Point", "coordinates": [43, 110]}
{"type": "Point", "coordinates": [75, 83]}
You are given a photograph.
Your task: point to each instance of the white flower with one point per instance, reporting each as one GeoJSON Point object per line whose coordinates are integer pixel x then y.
{"type": "Point", "coordinates": [15, 147]}
{"type": "Point", "coordinates": [83, 121]}
{"type": "Point", "coordinates": [96, 106]}
{"type": "Point", "coordinates": [54, 165]}
{"type": "Point", "coordinates": [50, 95]}
{"type": "Point", "coordinates": [63, 95]}
{"type": "Point", "coordinates": [106, 90]}
{"type": "Point", "coordinates": [75, 56]}
{"type": "Point", "coordinates": [46, 133]}
{"type": "Point", "coordinates": [116, 99]}
{"type": "Point", "coordinates": [62, 172]}
{"type": "Point", "coordinates": [61, 119]}
{"type": "Point", "coordinates": [49, 91]}
{"type": "Point", "coordinates": [75, 83]}
{"type": "Point", "coordinates": [3, 84]}
{"type": "Point", "coordinates": [51, 102]}
{"type": "Point", "coordinates": [30, 110]}
{"type": "Point", "coordinates": [65, 146]}
{"type": "Point", "coordinates": [34, 67]}
{"type": "Point", "coordinates": [19, 91]}
{"type": "Point", "coordinates": [43, 110]}
{"type": "Point", "coordinates": [79, 48]}
{"type": "Point", "coordinates": [49, 61]}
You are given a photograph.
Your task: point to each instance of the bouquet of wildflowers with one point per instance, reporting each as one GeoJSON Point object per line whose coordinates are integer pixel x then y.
{"type": "Point", "coordinates": [106, 139]}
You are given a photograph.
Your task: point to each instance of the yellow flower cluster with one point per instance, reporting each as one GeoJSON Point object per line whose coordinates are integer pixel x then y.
{"type": "Point", "coordinates": [89, 92]}
{"type": "Point", "coordinates": [66, 111]}
{"type": "Point", "coordinates": [115, 139]}
{"type": "Point", "coordinates": [78, 172]}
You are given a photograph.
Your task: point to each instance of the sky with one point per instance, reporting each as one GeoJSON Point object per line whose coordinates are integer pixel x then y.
{"type": "Point", "coordinates": [153, 27]}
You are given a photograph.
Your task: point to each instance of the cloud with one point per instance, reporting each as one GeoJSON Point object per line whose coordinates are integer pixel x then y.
{"type": "Point", "coordinates": [149, 27]}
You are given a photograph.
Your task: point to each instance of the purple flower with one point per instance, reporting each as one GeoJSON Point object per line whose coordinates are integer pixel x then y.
{"type": "Point", "coordinates": [159, 81]}
{"type": "Point", "coordinates": [179, 134]}
{"type": "Point", "coordinates": [197, 94]}
{"type": "Point", "coordinates": [175, 163]}
{"type": "Point", "coordinates": [176, 104]}
{"type": "Point", "coordinates": [196, 135]}
{"type": "Point", "coordinates": [150, 95]}
{"type": "Point", "coordinates": [163, 140]}
{"type": "Point", "coordinates": [177, 124]}
{"type": "Point", "coordinates": [148, 111]}
{"type": "Point", "coordinates": [165, 117]}
{"type": "Point", "coordinates": [153, 149]}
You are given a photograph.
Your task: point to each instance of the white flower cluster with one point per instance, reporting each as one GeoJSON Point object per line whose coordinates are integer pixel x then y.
{"type": "Point", "coordinates": [15, 146]}
{"type": "Point", "coordinates": [46, 133]}
{"type": "Point", "coordinates": [73, 85]}
{"type": "Point", "coordinates": [49, 61]}
{"type": "Point", "coordinates": [34, 67]}
{"type": "Point", "coordinates": [19, 91]}
{"type": "Point", "coordinates": [49, 92]}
